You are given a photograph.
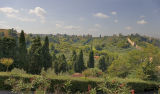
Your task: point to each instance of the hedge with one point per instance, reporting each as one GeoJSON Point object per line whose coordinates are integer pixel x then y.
{"type": "Point", "coordinates": [82, 85]}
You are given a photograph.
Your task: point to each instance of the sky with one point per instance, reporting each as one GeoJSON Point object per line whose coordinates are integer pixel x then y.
{"type": "Point", "coordinates": [78, 17]}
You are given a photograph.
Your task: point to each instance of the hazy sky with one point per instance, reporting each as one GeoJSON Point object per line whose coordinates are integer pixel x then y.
{"type": "Point", "coordinates": [105, 17]}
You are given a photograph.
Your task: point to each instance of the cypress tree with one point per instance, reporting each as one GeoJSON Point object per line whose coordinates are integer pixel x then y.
{"type": "Point", "coordinates": [90, 63]}
{"type": "Point", "coordinates": [79, 64]}
{"type": "Point", "coordinates": [47, 59]}
{"type": "Point", "coordinates": [35, 52]}
{"type": "Point", "coordinates": [55, 66]}
{"type": "Point", "coordinates": [74, 58]}
{"type": "Point", "coordinates": [72, 61]}
{"type": "Point", "coordinates": [102, 64]}
{"type": "Point", "coordinates": [9, 50]}
{"type": "Point", "coordinates": [22, 56]}
{"type": "Point", "coordinates": [54, 57]}
{"type": "Point", "coordinates": [54, 63]}
{"type": "Point", "coordinates": [62, 63]}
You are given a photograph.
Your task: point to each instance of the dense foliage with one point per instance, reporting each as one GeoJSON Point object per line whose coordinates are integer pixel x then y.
{"type": "Point", "coordinates": [114, 55]}
{"type": "Point", "coordinates": [63, 83]}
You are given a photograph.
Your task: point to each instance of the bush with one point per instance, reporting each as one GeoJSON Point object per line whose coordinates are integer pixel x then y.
{"type": "Point", "coordinates": [18, 85]}
{"type": "Point", "coordinates": [119, 67]}
{"type": "Point", "coordinates": [38, 84]}
{"type": "Point", "coordinates": [145, 71]}
{"type": "Point", "coordinates": [50, 72]}
{"type": "Point", "coordinates": [114, 87]}
{"type": "Point", "coordinates": [98, 47]}
{"type": "Point", "coordinates": [17, 71]}
{"type": "Point", "coordinates": [92, 72]}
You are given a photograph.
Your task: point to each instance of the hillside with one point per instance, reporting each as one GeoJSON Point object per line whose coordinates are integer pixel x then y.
{"type": "Point", "coordinates": [62, 42]}
{"type": "Point", "coordinates": [122, 56]}
{"type": "Point", "coordinates": [113, 45]}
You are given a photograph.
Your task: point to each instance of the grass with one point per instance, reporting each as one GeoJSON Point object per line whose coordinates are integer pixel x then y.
{"type": "Point", "coordinates": [68, 77]}
{"type": "Point", "coordinates": [60, 77]}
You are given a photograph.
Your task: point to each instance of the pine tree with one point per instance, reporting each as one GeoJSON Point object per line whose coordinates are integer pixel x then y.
{"type": "Point", "coordinates": [36, 57]}
{"type": "Point", "coordinates": [102, 64]}
{"type": "Point", "coordinates": [79, 64]}
{"type": "Point", "coordinates": [22, 55]}
{"type": "Point", "coordinates": [90, 63]}
{"type": "Point", "coordinates": [47, 59]}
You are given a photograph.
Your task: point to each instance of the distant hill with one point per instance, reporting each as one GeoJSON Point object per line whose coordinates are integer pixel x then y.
{"type": "Point", "coordinates": [114, 43]}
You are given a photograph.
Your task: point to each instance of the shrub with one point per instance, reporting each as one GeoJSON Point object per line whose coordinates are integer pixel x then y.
{"type": "Point", "coordinates": [145, 71]}
{"type": "Point", "coordinates": [92, 72]}
{"type": "Point", "coordinates": [93, 91]}
{"type": "Point", "coordinates": [50, 72]}
{"type": "Point", "coordinates": [98, 47]}
{"type": "Point", "coordinates": [17, 71]}
{"type": "Point", "coordinates": [67, 87]}
{"type": "Point", "coordinates": [40, 84]}
{"type": "Point", "coordinates": [119, 67]}
{"type": "Point", "coordinates": [114, 87]}
{"type": "Point", "coordinates": [18, 85]}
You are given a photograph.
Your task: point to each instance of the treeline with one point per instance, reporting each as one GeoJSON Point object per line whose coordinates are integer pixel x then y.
{"type": "Point", "coordinates": [31, 60]}
{"type": "Point", "coordinates": [88, 59]}
{"type": "Point", "coordinates": [38, 56]}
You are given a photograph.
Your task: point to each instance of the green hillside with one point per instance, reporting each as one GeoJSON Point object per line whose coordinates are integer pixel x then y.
{"type": "Point", "coordinates": [83, 57]}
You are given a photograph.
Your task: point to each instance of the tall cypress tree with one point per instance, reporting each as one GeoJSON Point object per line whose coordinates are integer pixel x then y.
{"type": "Point", "coordinates": [79, 64]}
{"type": "Point", "coordinates": [102, 64]}
{"type": "Point", "coordinates": [54, 63]}
{"type": "Point", "coordinates": [73, 59]}
{"type": "Point", "coordinates": [54, 57]}
{"type": "Point", "coordinates": [74, 55]}
{"type": "Point", "coordinates": [55, 66]}
{"type": "Point", "coordinates": [62, 63]}
{"type": "Point", "coordinates": [36, 63]}
{"type": "Point", "coordinates": [22, 56]}
{"type": "Point", "coordinates": [47, 59]}
{"type": "Point", "coordinates": [90, 63]}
